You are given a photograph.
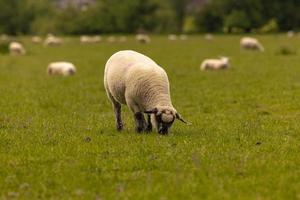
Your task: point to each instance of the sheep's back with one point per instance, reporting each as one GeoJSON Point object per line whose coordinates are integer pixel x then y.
{"type": "Point", "coordinates": [129, 71]}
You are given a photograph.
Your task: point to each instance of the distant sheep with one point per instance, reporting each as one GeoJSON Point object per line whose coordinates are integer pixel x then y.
{"type": "Point", "coordinates": [96, 38]}
{"type": "Point", "coordinates": [215, 64]}
{"type": "Point", "coordinates": [111, 39]}
{"type": "Point", "coordinates": [290, 34]}
{"type": "Point", "coordinates": [183, 37]}
{"type": "Point", "coordinates": [172, 37]}
{"type": "Point", "coordinates": [251, 44]}
{"type": "Point", "coordinates": [143, 38]}
{"type": "Point", "coordinates": [16, 48]}
{"type": "Point", "coordinates": [52, 40]}
{"type": "Point", "coordinates": [208, 36]}
{"type": "Point", "coordinates": [61, 68]}
{"type": "Point", "coordinates": [135, 80]}
{"type": "Point", "coordinates": [36, 39]}
{"type": "Point", "coordinates": [90, 39]}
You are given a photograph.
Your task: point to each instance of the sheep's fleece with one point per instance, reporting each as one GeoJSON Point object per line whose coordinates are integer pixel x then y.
{"type": "Point", "coordinates": [61, 68]}
{"type": "Point", "coordinates": [134, 79]}
{"type": "Point", "coordinates": [16, 48]}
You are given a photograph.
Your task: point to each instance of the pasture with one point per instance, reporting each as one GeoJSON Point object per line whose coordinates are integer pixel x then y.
{"type": "Point", "coordinates": [58, 137]}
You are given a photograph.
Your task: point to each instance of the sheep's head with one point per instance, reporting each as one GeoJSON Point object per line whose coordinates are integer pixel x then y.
{"type": "Point", "coordinates": [225, 61]}
{"type": "Point", "coordinates": [163, 117]}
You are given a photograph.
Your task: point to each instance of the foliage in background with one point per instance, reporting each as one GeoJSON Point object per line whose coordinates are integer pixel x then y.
{"type": "Point", "coordinates": [131, 16]}
{"type": "Point", "coordinates": [249, 15]}
{"type": "Point", "coordinates": [270, 27]}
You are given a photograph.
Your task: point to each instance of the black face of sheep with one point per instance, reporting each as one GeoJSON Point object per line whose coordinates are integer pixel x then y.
{"type": "Point", "coordinates": [71, 71]}
{"type": "Point", "coordinates": [164, 119]}
{"type": "Point", "coordinates": [164, 122]}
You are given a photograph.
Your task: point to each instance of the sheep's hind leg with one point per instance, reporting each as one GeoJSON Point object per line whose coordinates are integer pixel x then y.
{"type": "Point", "coordinates": [117, 109]}
{"type": "Point", "coordinates": [139, 122]}
{"type": "Point", "coordinates": [149, 124]}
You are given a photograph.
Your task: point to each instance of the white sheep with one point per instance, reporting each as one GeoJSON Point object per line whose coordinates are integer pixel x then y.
{"type": "Point", "coordinates": [135, 80]}
{"type": "Point", "coordinates": [111, 39]}
{"type": "Point", "coordinates": [61, 68]}
{"type": "Point", "coordinates": [16, 48]}
{"type": "Point", "coordinates": [290, 34]}
{"type": "Point", "coordinates": [251, 44]}
{"type": "Point", "coordinates": [172, 37]}
{"type": "Point", "coordinates": [215, 64]}
{"type": "Point", "coordinates": [183, 37]}
{"type": "Point", "coordinates": [85, 39]}
{"type": "Point", "coordinates": [96, 38]}
{"type": "Point", "coordinates": [209, 36]}
{"type": "Point", "coordinates": [36, 39]}
{"type": "Point", "coordinates": [52, 40]}
{"type": "Point", "coordinates": [90, 39]}
{"type": "Point", "coordinates": [143, 38]}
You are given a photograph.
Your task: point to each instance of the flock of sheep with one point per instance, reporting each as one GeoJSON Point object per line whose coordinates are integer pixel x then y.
{"type": "Point", "coordinates": [135, 80]}
{"type": "Point", "coordinates": [66, 68]}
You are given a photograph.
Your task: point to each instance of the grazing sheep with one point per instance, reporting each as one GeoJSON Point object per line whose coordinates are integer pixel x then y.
{"type": "Point", "coordinates": [134, 79]}
{"type": "Point", "coordinates": [16, 48]}
{"type": "Point", "coordinates": [85, 39]}
{"type": "Point", "coordinates": [215, 64]}
{"type": "Point", "coordinates": [183, 37]}
{"type": "Point", "coordinates": [111, 39]}
{"type": "Point", "coordinates": [172, 37]}
{"type": "Point", "coordinates": [209, 36]}
{"type": "Point", "coordinates": [251, 44]}
{"type": "Point", "coordinates": [90, 39]}
{"type": "Point", "coordinates": [52, 40]}
{"type": "Point", "coordinates": [36, 39]}
{"type": "Point", "coordinates": [143, 38]}
{"type": "Point", "coordinates": [290, 34]}
{"type": "Point", "coordinates": [96, 38]}
{"type": "Point", "coordinates": [61, 68]}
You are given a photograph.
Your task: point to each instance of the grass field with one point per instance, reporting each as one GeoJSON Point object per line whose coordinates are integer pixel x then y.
{"type": "Point", "coordinates": [58, 138]}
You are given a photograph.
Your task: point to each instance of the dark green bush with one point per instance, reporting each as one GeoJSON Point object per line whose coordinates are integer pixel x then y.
{"type": "Point", "coordinates": [4, 47]}
{"type": "Point", "coordinates": [286, 50]}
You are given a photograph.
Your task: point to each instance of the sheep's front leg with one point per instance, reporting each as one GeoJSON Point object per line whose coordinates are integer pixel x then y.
{"type": "Point", "coordinates": [139, 122]}
{"type": "Point", "coordinates": [138, 115]}
{"type": "Point", "coordinates": [149, 124]}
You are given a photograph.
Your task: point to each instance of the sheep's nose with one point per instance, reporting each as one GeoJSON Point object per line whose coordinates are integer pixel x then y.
{"type": "Point", "coordinates": [71, 72]}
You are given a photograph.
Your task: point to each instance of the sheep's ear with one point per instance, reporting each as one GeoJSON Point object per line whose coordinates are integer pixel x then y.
{"type": "Point", "coordinates": [153, 111]}
{"type": "Point", "coordinates": [178, 116]}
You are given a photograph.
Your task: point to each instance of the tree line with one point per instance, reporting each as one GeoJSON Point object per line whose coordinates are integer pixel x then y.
{"type": "Point", "coordinates": [157, 16]}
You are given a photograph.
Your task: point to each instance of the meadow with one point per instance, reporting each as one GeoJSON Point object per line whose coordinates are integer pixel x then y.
{"type": "Point", "coordinates": [58, 137]}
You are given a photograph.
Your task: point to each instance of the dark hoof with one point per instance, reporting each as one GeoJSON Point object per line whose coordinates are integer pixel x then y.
{"type": "Point", "coordinates": [148, 129]}
{"type": "Point", "coordinates": [120, 127]}
{"type": "Point", "coordinates": [163, 132]}
{"type": "Point", "coordinates": [139, 129]}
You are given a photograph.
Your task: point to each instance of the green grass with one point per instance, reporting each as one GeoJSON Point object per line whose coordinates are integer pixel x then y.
{"type": "Point", "coordinates": [58, 140]}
